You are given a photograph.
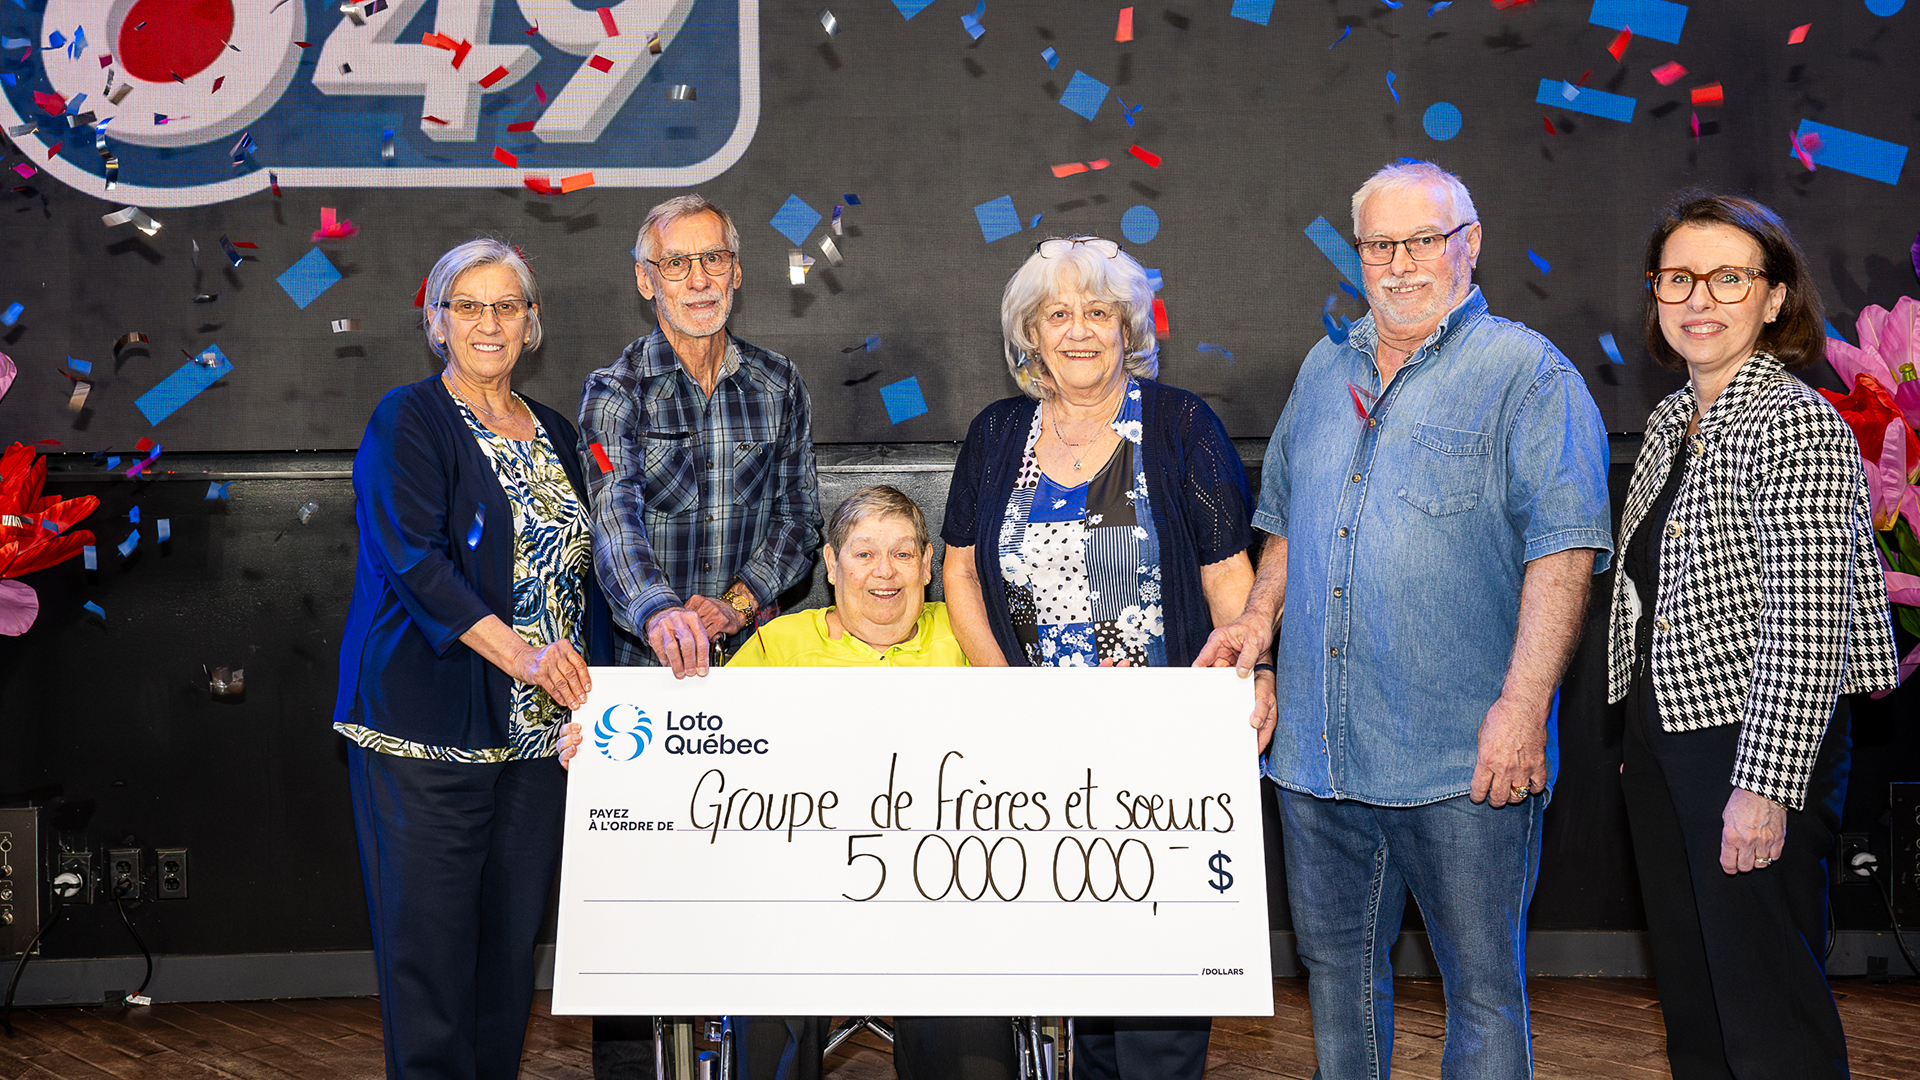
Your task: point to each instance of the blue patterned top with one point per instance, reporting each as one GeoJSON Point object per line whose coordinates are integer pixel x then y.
{"type": "Point", "coordinates": [1082, 564]}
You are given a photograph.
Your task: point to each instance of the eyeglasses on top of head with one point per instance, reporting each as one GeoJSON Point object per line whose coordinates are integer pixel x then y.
{"type": "Point", "coordinates": [1423, 248]}
{"type": "Point", "coordinates": [713, 263]}
{"type": "Point", "coordinates": [1726, 284]}
{"type": "Point", "coordinates": [1059, 245]}
{"type": "Point", "coordinates": [468, 310]}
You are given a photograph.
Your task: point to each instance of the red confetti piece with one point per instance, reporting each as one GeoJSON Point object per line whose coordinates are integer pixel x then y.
{"type": "Point", "coordinates": [600, 63]}
{"type": "Point", "coordinates": [54, 149]}
{"type": "Point", "coordinates": [439, 41]}
{"type": "Point", "coordinates": [216, 83]}
{"type": "Point", "coordinates": [244, 244]}
{"type": "Point", "coordinates": [1619, 46]}
{"type": "Point", "coordinates": [1098, 163]}
{"type": "Point", "coordinates": [1709, 94]}
{"type": "Point", "coordinates": [145, 444]}
{"type": "Point", "coordinates": [51, 104]}
{"type": "Point", "coordinates": [495, 76]}
{"type": "Point", "coordinates": [1802, 151]}
{"type": "Point", "coordinates": [1584, 76]}
{"type": "Point", "coordinates": [460, 52]}
{"type": "Point", "coordinates": [1152, 159]}
{"type": "Point", "coordinates": [1357, 405]}
{"type": "Point", "coordinates": [524, 125]}
{"type": "Point", "coordinates": [504, 157]}
{"type": "Point", "coordinates": [534, 30]}
{"type": "Point", "coordinates": [1811, 141]}
{"type": "Point", "coordinates": [1668, 73]}
{"type": "Point", "coordinates": [1696, 127]}
{"type": "Point", "coordinates": [538, 183]}
{"type": "Point", "coordinates": [420, 298]}
{"type": "Point", "coordinates": [106, 61]}
{"type": "Point", "coordinates": [576, 182]}
{"type": "Point", "coordinates": [434, 120]}
{"type": "Point", "coordinates": [1160, 317]}
{"type": "Point", "coordinates": [606, 22]}
{"type": "Point", "coordinates": [1125, 32]}
{"type": "Point", "coordinates": [1549, 123]}
{"type": "Point", "coordinates": [1069, 168]}
{"type": "Point", "coordinates": [540, 92]}
{"type": "Point", "coordinates": [273, 181]}
{"type": "Point", "coordinates": [1799, 34]}
{"type": "Point", "coordinates": [600, 457]}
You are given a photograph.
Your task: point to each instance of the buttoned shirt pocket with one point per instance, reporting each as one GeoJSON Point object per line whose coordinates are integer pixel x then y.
{"type": "Point", "coordinates": [1447, 468]}
{"type": "Point", "coordinates": [672, 482]}
{"type": "Point", "coordinates": [752, 465]}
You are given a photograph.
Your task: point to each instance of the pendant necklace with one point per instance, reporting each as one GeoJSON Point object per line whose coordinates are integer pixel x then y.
{"type": "Point", "coordinates": [1072, 447]}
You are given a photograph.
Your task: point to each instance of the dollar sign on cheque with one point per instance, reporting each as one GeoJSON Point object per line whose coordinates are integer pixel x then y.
{"type": "Point", "coordinates": [1222, 881]}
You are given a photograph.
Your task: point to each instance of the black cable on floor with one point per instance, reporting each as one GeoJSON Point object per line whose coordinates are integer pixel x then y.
{"type": "Point", "coordinates": [53, 916]}
{"type": "Point", "coordinates": [1899, 938]}
{"type": "Point", "coordinates": [121, 907]}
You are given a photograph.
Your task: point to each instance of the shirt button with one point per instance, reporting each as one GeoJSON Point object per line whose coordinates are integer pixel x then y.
{"type": "Point", "coordinates": [1339, 592]}
{"type": "Point", "coordinates": [1356, 478]}
{"type": "Point", "coordinates": [1662, 624]}
{"type": "Point", "coordinates": [1372, 422]}
{"type": "Point", "coordinates": [1674, 528]}
{"type": "Point", "coordinates": [1343, 532]}
{"type": "Point", "coordinates": [1333, 652]}
{"type": "Point", "coordinates": [706, 566]}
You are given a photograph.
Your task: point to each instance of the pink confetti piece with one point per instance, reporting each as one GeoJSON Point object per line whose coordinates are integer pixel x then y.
{"type": "Point", "coordinates": [1668, 73]}
{"type": "Point", "coordinates": [1125, 30]}
{"type": "Point", "coordinates": [1070, 168]}
{"type": "Point", "coordinates": [1696, 127]}
{"type": "Point", "coordinates": [540, 92]}
{"type": "Point", "coordinates": [1801, 151]}
{"type": "Point", "coordinates": [26, 171]}
{"type": "Point", "coordinates": [332, 227]}
{"type": "Point", "coordinates": [1799, 34]}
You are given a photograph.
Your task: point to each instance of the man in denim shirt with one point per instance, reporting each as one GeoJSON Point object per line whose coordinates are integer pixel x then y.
{"type": "Point", "coordinates": [705, 506]}
{"type": "Point", "coordinates": [1436, 491]}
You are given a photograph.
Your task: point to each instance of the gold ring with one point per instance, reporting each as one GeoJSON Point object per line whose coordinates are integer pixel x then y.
{"type": "Point", "coordinates": [1522, 790]}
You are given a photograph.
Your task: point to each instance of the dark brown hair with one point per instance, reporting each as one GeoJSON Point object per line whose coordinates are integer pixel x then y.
{"type": "Point", "coordinates": [1798, 335]}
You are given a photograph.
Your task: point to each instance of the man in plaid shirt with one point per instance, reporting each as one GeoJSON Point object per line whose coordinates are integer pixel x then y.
{"type": "Point", "coordinates": [705, 503]}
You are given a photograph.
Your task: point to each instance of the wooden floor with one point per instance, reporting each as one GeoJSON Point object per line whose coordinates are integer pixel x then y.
{"type": "Point", "coordinates": [1583, 1028]}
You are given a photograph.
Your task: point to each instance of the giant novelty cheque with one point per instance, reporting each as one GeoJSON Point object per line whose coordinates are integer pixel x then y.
{"type": "Point", "coordinates": [945, 841]}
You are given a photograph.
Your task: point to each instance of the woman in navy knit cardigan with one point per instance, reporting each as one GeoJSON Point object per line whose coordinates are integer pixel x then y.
{"type": "Point", "coordinates": [1099, 518]}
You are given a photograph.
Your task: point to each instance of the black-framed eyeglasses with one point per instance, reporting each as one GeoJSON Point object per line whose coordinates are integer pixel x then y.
{"type": "Point", "coordinates": [1059, 245]}
{"type": "Point", "coordinates": [1422, 248]}
{"type": "Point", "coordinates": [714, 263]}
{"type": "Point", "coordinates": [1726, 284]}
{"type": "Point", "coordinates": [506, 310]}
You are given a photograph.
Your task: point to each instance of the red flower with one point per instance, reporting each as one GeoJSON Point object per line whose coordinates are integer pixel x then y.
{"type": "Point", "coordinates": [1868, 411]}
{"type": "Point", "coordinates": [33, 529]}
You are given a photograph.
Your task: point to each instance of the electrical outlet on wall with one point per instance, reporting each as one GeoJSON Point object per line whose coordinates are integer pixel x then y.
{"type": "Point", "coordinates": [126, 874]}
{"type": "Point", "coordinates": [73, 878]}
{"type": "Point", "coordinates": [170, 873]}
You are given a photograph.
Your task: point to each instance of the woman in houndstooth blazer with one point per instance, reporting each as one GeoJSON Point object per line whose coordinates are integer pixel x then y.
{"type": "Point", "coordinates": [1749, 600]}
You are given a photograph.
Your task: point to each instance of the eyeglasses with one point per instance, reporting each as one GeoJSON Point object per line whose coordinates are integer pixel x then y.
{"type": "Point", "coordinates": [1726, 284]}
{"type": "Point", "coordinates": [1061, 245]}
{"type": "Point", "coordinates": [469, 310]}
{"type": "Point", "coordinates": [1423, 248]}
{"type": "Point", "coordinates": [677, 267]}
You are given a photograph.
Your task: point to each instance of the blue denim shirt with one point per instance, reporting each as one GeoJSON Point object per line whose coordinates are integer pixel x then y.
{"type": "Point", "coordinates": [1408, 535]}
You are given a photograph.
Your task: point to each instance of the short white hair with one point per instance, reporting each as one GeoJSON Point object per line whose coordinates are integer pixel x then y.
{"type": "Point", "coordinates": [471, 256]}
{"type": "Point", "coordinates": [675, 209]}
{"type": "Point", "coordinates": [1405, 173]}
{"type": "Point", "coordinates": [1119, 280]}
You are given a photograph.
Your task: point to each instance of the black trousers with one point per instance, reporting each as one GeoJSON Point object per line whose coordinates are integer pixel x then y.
{"type": "Point", "coordinates": [789, 1048]}
{"type": "Point", "coordinates": [1739, 958]}
{"type": "Point", "coordinates": [1140, 1047]}
{"type": "Point", "coordinates": [458, 861]}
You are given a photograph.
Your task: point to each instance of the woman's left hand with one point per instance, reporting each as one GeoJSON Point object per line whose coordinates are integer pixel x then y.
{"type": "Point", "coordinates": [1753, 832]}
{"type": "Point", "coordinates": [571, 736]}
{"type": "Point", "coordinates": [555, 668]}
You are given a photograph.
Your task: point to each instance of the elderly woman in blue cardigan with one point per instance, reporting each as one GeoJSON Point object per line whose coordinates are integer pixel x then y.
{"type": "Point", "coordinates": [1100, 518]}
{"type": "Point", "coordinates": [463, 653]}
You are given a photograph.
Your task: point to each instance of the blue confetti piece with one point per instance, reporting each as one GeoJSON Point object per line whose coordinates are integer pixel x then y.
{"type": "Point", "coordinates": [1834, 332]}
{"type": "Point", "coordinates": [133, 516]}
{"type": "Point", "coordinates": [1344, 31]}
{"type": "Point", "coordinates": [12, 316]}
{"type": "Point", "coordinates": [1441, 121]}
{"type": "Point", "coordinates": [997, 218]}
{"type": "Point", "coordinates": [1350, 290]}
{"type": "Point", "coordinates": [1852, 152]}
{"type": "Point", "coordinates": [1336, 331]}
{"type": "Point", "coordinates": [904, 400]}
{"type": "Point", "coordinates": [1539, 263]}
{"type": "Point", "coordinates": [1084, 95]}
{"type": "Point", "coordinates": [795, 219]}
{"type": "Point", "coordinates": [910, 8]}
{"type": "Point", "coordinates": [7, 77]}
{"type": "Point", "coordinates": [851, 200]}
{"type": "Point", "coordinates": [1441, 6]}
{"type": "Point", "coordinates": [1394, 4]}
{"type": "Point", "coordinates": [180, 387]}
{"type": "Point", "coordinates": [1390, 89]}
{"type": "Point", "coordinates": [73, 104]}
{"type": "Point", "coordinates": [55, 39]}
{"type": "Point", "coordinates": [163, 529]}
{"type": "Point", "coordinates": [1052, 58]}
{"type": "Point", "coordinates": [113, 461]}
{"type": "Point", "coordinates": [1656, 19]}
{"type": "Point", "coordinates": [479, 524]}
{"type": "Point", "coordinates": [96, 609]}
{"type": "Point", "coordinates": [217, 491]}
{"type": "Point", "coordinates": [15, 43]}
{"type": "Point", "coordinates": [132, 541]}
{"type": "Point", "coordinates": [1586, 100]}
{"type": "Point", "coordinates": [1034, 223]}
{"type": "Point", "coordinates": [873, 342]}
{"type": "Point", "coordinates": [1336, 249]}
{"type": "Point", "coordinates": [90, 556]}
{"type": "Point", "coordinates": [972, 25]}
{"type": "Point", "coordinates": [1154, 281]}
{"type": "Point", "coordinates": [1612, 348]}
{"type": "Point", "coordinates": [50, 525]}
{"type": "Point", "coordinates": [1208, 346]}
{"type": "Point", "coordinates": [1140, 224]}
{"type": "Point", "coordinates": [1253, 11]}
{"type": "Point", "coordinates": [305, 280]}
{"type": "Point", "coordinates": [81, 366]}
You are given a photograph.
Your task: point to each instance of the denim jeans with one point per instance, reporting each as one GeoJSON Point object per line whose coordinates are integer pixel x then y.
{"type": "Point", "coordinates": [1471, 867]}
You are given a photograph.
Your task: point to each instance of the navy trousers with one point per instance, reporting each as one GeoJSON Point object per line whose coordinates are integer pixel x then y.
{"type": "Point", "coordinates": [458, 861]}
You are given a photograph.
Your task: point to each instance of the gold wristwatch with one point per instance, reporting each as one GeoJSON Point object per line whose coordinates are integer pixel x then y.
{"type": "Point", "coordinates": [739, 603]}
